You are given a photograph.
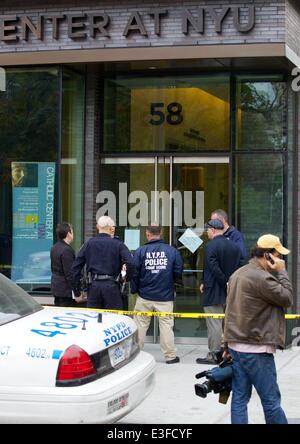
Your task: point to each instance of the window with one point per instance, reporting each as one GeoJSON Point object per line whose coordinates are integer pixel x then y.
{"type": "Point", "coordinates": [29, 110]}
{"type": "Point", "coordinates": [174, 114]}
{"type": "Point", "coordinates": [72, 161]}
{"type": "Point", "coordinates": [29, 154]}
{"type": "Point", "coordinates": [261, 114]}
{"type": "Point", "coordinates": [259, 195]}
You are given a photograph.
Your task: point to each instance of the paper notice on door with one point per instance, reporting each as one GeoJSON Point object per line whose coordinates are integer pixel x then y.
{"type": "Point", "coordinates": [190, 240]}
{"type": "Point", "coordinates": [132, 239]}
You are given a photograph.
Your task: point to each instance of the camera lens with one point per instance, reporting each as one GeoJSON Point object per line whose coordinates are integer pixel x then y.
{"type": "Point", "coordinates": [202, 389]}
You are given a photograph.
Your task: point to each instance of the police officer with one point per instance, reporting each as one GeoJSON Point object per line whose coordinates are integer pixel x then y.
{"type": "Point", "coordinates": [104, 256]}
{"type": "Point", "coordinates": [158, 265]}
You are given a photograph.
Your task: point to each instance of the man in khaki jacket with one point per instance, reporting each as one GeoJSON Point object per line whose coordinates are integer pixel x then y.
{"type": "Point", "coordinates": [254, 327]}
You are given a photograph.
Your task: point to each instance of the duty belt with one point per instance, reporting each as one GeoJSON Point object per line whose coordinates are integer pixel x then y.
{"type": "Point", "coordinates": [103, 277]}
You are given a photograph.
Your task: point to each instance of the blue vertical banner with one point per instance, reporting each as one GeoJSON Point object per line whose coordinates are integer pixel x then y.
{"type": "Point", "coordinates": [33, 188]}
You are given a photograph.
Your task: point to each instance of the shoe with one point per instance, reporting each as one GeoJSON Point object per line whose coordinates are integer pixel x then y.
{"type": "Point", "coordinates": [206, 360]}
{"type": "Point", "coordinates": [173, 361]}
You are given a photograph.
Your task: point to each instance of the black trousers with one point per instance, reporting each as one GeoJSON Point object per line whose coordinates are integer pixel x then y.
{"type": "Point", "coordinates": [105, 294]}
{"type": "Point", "coordinates": [65, 302]}
{"type": "Point", "coordinates": [68, 302]}
{"type": "Point", "coordinates": [124, 295]}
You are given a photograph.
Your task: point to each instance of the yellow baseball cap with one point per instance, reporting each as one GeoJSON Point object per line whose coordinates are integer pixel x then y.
{"type": "Point", "coordinates": [272, 242]}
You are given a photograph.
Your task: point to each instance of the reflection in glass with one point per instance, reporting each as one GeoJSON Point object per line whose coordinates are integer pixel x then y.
{"type": "Point", "coordinates": [73, 103]}
{"type": "Point", "coordinates": [261, 114]}
{"type": "Point", "coordinates": [166, 114]}
{"type": "Point", "coordinates": [259, 198]}
{"type": "Point", "coordinates": [125, 183]}
{"type": "Point", "coordinates": [129, 198]}
{"type": "Point", "coordinates": [28, 128]}
{"type": "Point", "coordinates": [212, 180]}
{"type": "Point", "coordinates": [291, 198]}
{"type": "Point", "coordinates": [126, 180]}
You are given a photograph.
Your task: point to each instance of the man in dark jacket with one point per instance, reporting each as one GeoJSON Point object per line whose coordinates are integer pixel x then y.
{"type": "Point", "coordinates": [221, 258]}
{"type": "Point", "coordinates": [158, 265]}
{"type": "Point", "coordinates": [255, 326]}
{"type": "Point", "coordinates": [231, 232]}
{"type": "Point", "coordinates": [62, 256]}
{"type": "Point", "coordinates": [104, 256]}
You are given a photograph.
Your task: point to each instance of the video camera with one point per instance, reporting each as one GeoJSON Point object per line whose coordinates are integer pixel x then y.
{"type": "Point", "coordinates": [218, 380]}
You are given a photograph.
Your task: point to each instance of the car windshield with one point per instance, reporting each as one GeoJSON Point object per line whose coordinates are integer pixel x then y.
{"type": "Point", "coordinates": [14, 302]}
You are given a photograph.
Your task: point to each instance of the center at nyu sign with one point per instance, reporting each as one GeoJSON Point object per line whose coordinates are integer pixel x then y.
{"type": "Point", "coordinates": [85, 25]}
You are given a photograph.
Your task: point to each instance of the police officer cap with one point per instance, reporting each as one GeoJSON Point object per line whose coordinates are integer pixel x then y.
{"type": "Point", "coordinates": [214, 223]}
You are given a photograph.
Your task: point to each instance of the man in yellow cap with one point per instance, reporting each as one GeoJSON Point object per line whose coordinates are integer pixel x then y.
{"type": "Point", "coordinates": [254, 327]}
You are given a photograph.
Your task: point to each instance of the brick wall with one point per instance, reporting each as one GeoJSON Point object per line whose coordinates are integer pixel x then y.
{"type": "Point", "coordinates": [293, 25]}
{"type": "Point", "coordinates": [296, 240]}
{"type": "Point", "coordinates": [269, 27]}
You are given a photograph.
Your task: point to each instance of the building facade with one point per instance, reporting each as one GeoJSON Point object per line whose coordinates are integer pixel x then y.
{"type": "Point", "coordinates": [147, 113]}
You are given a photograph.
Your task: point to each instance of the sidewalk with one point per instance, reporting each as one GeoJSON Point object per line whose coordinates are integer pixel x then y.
{"type": "Point", "coordinates": [173, 400]}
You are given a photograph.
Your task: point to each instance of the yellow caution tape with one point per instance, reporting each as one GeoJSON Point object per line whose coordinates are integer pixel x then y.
{"type": "Point", "coordinates": [165, 314]}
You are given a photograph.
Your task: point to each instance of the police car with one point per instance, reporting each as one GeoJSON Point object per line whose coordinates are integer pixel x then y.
{"type": "Point", "coordinates": [61, 365]}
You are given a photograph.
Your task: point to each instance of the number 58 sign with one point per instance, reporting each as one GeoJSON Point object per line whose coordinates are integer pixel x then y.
{"type": "Point", "coordinates": [161, 113]}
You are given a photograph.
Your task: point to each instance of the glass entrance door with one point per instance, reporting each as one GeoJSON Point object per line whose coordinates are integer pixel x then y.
{"type": "Point", "coordinates": [204, 185]}
{"type": "Point", "coordinates": [179, 193]}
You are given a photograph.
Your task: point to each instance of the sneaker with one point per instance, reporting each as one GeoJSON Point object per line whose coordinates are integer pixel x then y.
{"type": "Point", "coordinates": [173, 361]}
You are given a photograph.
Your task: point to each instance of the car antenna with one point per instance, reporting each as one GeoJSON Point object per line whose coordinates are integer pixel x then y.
{"type": "Point", "coordinates": [83, 326]}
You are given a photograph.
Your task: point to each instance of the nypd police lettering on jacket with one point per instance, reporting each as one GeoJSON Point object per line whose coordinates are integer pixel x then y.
{"type": "Point", "coordinates": [157, 266]}
{"type": "Point", "coordinates": [156, 261]}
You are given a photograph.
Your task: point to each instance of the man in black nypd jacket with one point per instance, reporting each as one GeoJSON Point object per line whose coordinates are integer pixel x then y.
{"type": "Point", "coordinates": [158, 265]}
{"type": "Point", "coordinates": [104, 255]}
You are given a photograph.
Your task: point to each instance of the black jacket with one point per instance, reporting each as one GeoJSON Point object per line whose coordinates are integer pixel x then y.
{"type": "Point", "coordinates": [62, 282]}
{"type": "Point", "coordinates": [221, 258]}
{"type": "Point", "coordinates": [103, 255]}
{"type": "Point", "coordinates": [236, 236]}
